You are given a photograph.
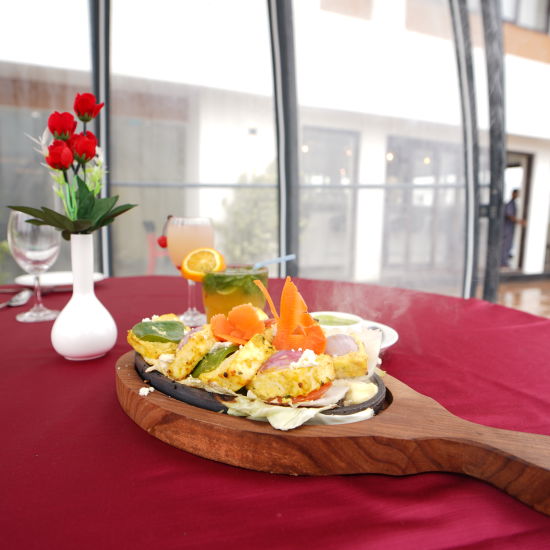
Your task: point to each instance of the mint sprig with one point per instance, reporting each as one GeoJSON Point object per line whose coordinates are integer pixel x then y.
{"type": "Point", "coordinates": [214, 282]}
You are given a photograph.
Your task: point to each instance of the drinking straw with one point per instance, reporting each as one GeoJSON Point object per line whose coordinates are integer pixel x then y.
{"type": "Point", "coordinates": [278, 260]}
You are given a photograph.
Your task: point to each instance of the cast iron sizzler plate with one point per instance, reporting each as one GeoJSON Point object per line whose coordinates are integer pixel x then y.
{"type": "Point", "coordinates": [215, 402]}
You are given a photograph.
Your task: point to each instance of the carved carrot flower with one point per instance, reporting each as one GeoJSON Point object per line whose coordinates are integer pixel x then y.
{"type": "Point", "coordinates": [296, 328]}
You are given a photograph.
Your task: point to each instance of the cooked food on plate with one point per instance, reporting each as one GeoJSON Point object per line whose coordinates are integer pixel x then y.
{"type": "Point", "coordinates": [291, 376]}
{"type": "Point", "coordinates": [194, 345]}
{"type": "Point", "coordinates": [239, 369]}
{"type": "Point", "coordinates": [156, 336]}
{"type": "Point", "coordinates": [285, 369]}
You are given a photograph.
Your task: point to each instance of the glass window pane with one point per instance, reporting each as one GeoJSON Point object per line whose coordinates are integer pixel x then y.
{"type": "Point", "coordinates": [508, 8]}
{"type": "Point", "coordinates": [382, 158]}
{"type": "Point", "coordinates": [193, 127]}
{"type": "Point", "coordinates": [37, 76]}
{"type": "Point", "coordinates": [533, 14]}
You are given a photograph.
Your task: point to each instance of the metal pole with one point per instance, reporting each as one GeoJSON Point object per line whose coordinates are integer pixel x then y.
{"type": "Point", "coordinates": [494, 52]}
{"type": "Point", "coordinates": [100, 27]}
{"type": "Point", "coordinates": [463, 48]}
{"type": "Point", "coordinates": [286, 117]}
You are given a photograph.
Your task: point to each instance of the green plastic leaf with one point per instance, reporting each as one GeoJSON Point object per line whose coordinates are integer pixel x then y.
{"type": "Point", "coordinates": [81, 226]}
{"type": "Point", "coordinates": [27, 210]}
{"type": "Point", "coordinates": [93, 213]}
{"type": "Point", "coordinates": [121, 209]}
{"type": "Point", "coordinates": [114, 213]}
{"type": "Point", "coordinates": [39, 222]}
{"type": "Point", "coordinates": [213, 359]}
{"type": "Point", "coordinates": [55, 217]}
{"type": "Point", "coordinates": [159, 331]}
{"type": "Point", "coordinates": [101, 208]}
{"type": "Point", "coordinates": [85, 200]}
{"type": "Point", "coordinates": [40, 215]}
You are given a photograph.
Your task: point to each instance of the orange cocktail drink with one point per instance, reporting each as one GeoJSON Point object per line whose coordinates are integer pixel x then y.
{"type": "Point", "coordinates": [184, 235]}
{"type": "Point", "coordinates": [234, 286]}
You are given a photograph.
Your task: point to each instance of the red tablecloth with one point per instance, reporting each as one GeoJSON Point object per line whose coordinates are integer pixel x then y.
{"type": "Point", "coordinates": [78, 473]}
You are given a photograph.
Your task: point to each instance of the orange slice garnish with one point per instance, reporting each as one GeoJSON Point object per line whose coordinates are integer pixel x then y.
{"type": "Point", "coordinates": [201, 261]}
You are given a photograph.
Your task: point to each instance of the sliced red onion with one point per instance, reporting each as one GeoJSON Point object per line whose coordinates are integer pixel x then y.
{"type": "Point", "coordinates": [281, 360]}
{"type": "Point", "coordinates": [186, 337]}
{"type": "Point", "coordinates": [340, 344]}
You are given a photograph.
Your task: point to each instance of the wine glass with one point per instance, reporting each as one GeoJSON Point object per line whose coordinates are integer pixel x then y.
{"type": "Point", "coordinates": [35, 248]}
{"type": "Point", "coordinates": [184, 235]}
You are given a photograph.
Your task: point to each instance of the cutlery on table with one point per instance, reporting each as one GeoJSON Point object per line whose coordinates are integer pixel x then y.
{"type": "Point", "coordinates": [18, 300]}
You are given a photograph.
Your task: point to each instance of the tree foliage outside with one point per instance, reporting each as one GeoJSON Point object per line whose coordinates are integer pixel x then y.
{"type": "Point", "coordinates": [250, 230]}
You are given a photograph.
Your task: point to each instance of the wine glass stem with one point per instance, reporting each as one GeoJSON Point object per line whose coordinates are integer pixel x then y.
{"type": "Point", "coordinates": [191, 295]}
{"type": "Point", "coordinates": [37, 291]}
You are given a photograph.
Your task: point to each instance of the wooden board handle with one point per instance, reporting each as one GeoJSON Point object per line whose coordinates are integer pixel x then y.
{"type": "Point", "coordinates": [516, 462]}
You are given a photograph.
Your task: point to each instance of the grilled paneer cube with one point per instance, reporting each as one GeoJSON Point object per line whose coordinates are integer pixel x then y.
{"type": "Point", "coordinates": [198, 345]}
{"type": "Point", "coordinates": [238, 369]}
{"type": "Point", "coordinates": [150, 346]}
{"type": "Point", "coordinates": [293, 381]}
{"type": "Point", "coordinates": [351, 364]}
{"type": "Point", "coordinates": [150, 350]}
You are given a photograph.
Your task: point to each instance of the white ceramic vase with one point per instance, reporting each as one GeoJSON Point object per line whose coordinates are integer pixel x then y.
{"type": "Point", "coordinates": [84, 329]}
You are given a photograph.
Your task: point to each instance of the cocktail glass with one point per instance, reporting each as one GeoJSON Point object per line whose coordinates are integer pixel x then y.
{"type": "Point", "coordinates": [184, 235]}
{"type": "Point", "coordinates": [223, 290]}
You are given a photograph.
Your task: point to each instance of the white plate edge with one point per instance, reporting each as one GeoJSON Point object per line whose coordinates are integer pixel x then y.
{"type": "Point", "coordinates": [27, 280]}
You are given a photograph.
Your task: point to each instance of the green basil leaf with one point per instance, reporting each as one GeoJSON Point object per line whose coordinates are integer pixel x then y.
{"type": "Point", "coordinates": [213, 359]}
{"type": "Point", "coordinates": [159, 331]}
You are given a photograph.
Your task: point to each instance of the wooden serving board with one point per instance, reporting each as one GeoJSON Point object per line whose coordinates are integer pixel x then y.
{"type": "Point", "coordinates": [391, 443]}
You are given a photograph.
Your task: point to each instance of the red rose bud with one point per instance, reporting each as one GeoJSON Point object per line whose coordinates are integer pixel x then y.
{"type": "Point", "coordinates": [86, 107]}
{"type": "Point", "coordinates": [83, 146]}
{"type": "Point", "coordinates": [59, 156]}
{"type": "Point", "coordinates": [162, 241]}
{"type": "Point", "coordinates": [61, 125]}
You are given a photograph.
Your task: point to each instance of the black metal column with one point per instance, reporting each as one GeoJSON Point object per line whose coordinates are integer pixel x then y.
{"type": "Point", "coordinates": [463, 48]}
{"type": "Point", "coordinates": [100, 34]}
{"type": "Point", "coordinates": [494, 51]}
{"type": "Point", "coordinates": [286, 115]}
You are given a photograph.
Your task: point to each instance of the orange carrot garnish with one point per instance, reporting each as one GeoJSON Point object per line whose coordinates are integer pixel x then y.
{"type": "Point", "coordinates": [231, 338]}
{"type": "Point", "coordinates": [261, 286]}
{"type": "Point", "coordinates": [296, 328]}
{"type": "Point", "coordinates": [240, 325]}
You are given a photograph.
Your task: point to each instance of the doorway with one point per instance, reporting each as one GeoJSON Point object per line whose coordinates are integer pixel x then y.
{"type": "Point", "coordinates": [518, 176]}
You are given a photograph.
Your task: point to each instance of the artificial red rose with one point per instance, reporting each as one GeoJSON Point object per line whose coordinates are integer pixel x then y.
{"type": "Point", "coordinates": [86, 107]}
{"type": "Point", "coordinates": [60, 155]}
{"type": "Point", "coordinates": [83, 146]}
{"type": "Point", "coordinates": [61, 125]}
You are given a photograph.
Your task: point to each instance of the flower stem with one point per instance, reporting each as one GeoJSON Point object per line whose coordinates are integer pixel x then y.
{"type": "Point", "coordinates": [71, 197]}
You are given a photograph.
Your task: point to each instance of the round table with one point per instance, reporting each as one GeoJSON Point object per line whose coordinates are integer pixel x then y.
{"type": "Point", "coordinates": [79, 473]}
